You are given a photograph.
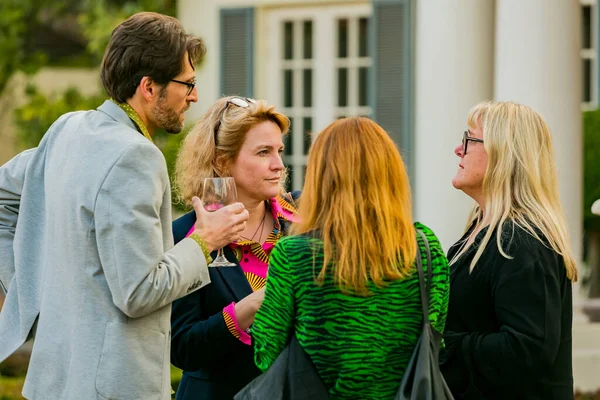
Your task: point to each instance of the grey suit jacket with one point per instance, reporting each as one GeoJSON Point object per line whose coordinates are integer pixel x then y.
{"type": "Point", "coordinates": [87, 256]}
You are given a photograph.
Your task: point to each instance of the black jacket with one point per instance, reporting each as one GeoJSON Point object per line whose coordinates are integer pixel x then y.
{"type": "Point", "coordinates": [215, 364]}
{"type": "Point", "coordinates": [508, 329]}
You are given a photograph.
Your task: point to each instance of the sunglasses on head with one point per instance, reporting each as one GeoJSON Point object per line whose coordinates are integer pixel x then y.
{"type": "Point", "coordinates": [243, 102]}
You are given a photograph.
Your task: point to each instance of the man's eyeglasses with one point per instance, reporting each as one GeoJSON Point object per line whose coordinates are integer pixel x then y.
{"type": "Point", "coordinates": [243, 102]}
{"type": "Point", "coordinates": [466, 139]}
{"type": "Point", "coordinates": [190, 85]}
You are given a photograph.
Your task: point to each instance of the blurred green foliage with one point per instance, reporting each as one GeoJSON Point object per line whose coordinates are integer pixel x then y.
{"type": "Point", "coordinates": [88, 25]}
{"type": "Point", "coordinates": [33, 119]}
{"type": "Point", "coordinates": [99, 17]}
{"type": "Point", "coordinates": [32, 30]}
{"type": "Point", "coordinates": [14, 25]}
{"type": "Point", "coordinates": [591, 168]}
{"type": "Point", "coordinates": [169, 145]}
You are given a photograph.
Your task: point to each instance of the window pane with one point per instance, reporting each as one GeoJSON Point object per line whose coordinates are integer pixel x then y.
{"type": "Point", "coordinates": [362, 85]}
{"type": "Point", "coordinates": [587, 80]}
{"type": "Point", "coordinates": [288, 145]}
{"type": "Point", "coordinates": [307, 88]}
{"type": "Point", "coordinates": [288, 84]}
{"type": "Point", "coordinates": [363, 37]}
{"type": "Point", "coordinates": [307, 40]}
{"type": "Point", "coordinates": [290, 178]}
{"type": "Point", "coordinates": [586, 27]}
{"type": "Point", "coordinates": [342, 38]}
{"type": "Point", "coordinates": [288, 40]}
{"type": "Point", "coordinates": [342, 87]}
{"type": "Point", "coordinates": [307, 131]}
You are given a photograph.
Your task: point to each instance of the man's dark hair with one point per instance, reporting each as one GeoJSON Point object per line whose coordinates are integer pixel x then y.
{"type": "Point", "coordinates": [146, 44]}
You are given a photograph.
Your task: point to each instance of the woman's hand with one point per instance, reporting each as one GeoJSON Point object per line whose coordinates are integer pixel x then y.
{"type": "Point", "coordinates": [246, 309]}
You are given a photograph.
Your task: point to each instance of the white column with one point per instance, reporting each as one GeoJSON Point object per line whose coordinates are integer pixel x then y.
{"type": "Point", "coordinates": [454, 64]}
{"type": "Point", "coordinates": [537, 63]}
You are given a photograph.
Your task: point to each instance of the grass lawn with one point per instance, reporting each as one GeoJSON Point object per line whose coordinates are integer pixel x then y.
{"type": "Point", "coordinates": [11, 387]}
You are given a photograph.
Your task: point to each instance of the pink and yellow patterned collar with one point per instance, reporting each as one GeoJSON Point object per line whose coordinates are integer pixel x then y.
{"type": "Point", "coordinates": [282, 206]}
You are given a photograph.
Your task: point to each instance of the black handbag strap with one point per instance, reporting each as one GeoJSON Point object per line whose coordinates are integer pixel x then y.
{"type": "Point", "coordinates": [425, 286]}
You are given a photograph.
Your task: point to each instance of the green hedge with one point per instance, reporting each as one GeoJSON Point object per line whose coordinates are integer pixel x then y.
{"type": "Point", "coordinates": [591, 168]}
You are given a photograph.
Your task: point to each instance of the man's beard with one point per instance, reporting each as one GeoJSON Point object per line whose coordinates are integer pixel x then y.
{"type": "Point", "coordinates": [166, 116]}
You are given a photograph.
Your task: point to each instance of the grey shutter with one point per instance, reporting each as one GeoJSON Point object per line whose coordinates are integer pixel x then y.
{"type": "Point", "coordinates": [597, 30]}
{"type": "Point", "coordinates": [392, 78]}
{"type": "Point", "coordinates": [237, 51]}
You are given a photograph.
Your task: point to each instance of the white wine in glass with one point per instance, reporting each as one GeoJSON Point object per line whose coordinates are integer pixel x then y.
{"type": "Point", "coordinates": [218, 193]}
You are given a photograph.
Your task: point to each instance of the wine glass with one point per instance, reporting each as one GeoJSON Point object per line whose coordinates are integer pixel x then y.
{"type": "Point", "coordinates": [218, 193]}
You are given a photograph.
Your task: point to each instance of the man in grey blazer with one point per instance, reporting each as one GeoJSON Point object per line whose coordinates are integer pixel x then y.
{"type": "Point", "coordinates": [87, 260]}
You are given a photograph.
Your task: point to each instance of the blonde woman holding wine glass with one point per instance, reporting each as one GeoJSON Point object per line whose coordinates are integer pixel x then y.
{"type": "Point", "coordinates": [242, 139]}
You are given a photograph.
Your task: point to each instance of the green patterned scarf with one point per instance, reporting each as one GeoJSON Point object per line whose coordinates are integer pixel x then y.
{"type": "Point", "coordinates": [135, 118]}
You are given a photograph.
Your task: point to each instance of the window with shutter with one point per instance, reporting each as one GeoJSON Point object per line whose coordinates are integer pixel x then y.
{"type": "Point", "coordinates": [318, 70]}
{"type": "Point", "coordinates": [589, 53]}
{"type": "Point", "coordinates": [237, 53]}
{"type": "Point", "coordinates": [393, 73]}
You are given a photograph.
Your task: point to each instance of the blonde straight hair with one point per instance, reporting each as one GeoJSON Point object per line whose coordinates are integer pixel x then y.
{"type": "Point", "coordinates": [520, 183]}
{"type": "Point", "coordinates": [357, 194]}
{"type": "Point", "coordinates": [199, 157]}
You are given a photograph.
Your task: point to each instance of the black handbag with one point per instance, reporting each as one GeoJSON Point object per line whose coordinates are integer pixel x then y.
{"type": "Point", "coordinates": [292, 376]}
{"type": "Point", "coordinates": [423, 379]}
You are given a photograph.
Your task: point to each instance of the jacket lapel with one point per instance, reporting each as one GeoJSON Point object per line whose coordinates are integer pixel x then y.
{"type": "Point", "coordinates": [234, 277]}
{"type": "Point", "coordinates": [115, 112]}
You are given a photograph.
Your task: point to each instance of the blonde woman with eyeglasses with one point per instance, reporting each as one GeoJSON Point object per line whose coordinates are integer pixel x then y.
{"type": "Point", "coordinates": [508, 331]}
{"type": "Point", "coordinates": [240, 138]}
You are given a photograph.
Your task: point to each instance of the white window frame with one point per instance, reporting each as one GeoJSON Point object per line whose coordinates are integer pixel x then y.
{"type": "Point", "coordinates": [352, 62]}
{"type": "Point", "coordinates": [324, 64]}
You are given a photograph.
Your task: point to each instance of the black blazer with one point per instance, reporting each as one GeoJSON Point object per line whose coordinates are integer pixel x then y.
{"type": "Point", "coordinates": [508, 329]}
{"type": "Point", "coordinates": [216, 365]}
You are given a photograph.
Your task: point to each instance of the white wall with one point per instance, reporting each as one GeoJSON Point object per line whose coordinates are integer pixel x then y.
{"type": "Point", "coordinates": [457, 66]}
{"type": "Point", "coordinates": [454, 71]}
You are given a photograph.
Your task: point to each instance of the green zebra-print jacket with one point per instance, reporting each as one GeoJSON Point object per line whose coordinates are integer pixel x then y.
{"type": "Point", "coordinates": [359, 345]}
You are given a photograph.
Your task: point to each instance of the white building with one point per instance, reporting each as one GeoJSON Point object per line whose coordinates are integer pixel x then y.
{"type": "Point", "coordinates": [416, 67]}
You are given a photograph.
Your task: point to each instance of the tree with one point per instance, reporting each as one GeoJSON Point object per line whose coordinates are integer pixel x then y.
{"type": "Point", "coordinates": [14, 19]}
{"type": "Point", "coordinates": [74, 32]}
{"type": "Point", "coordinates": [591, 193]}
{"type": "Point", "coordinates": [99, 17]}
{"type": "Point", "coordinates": [31, 31]}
